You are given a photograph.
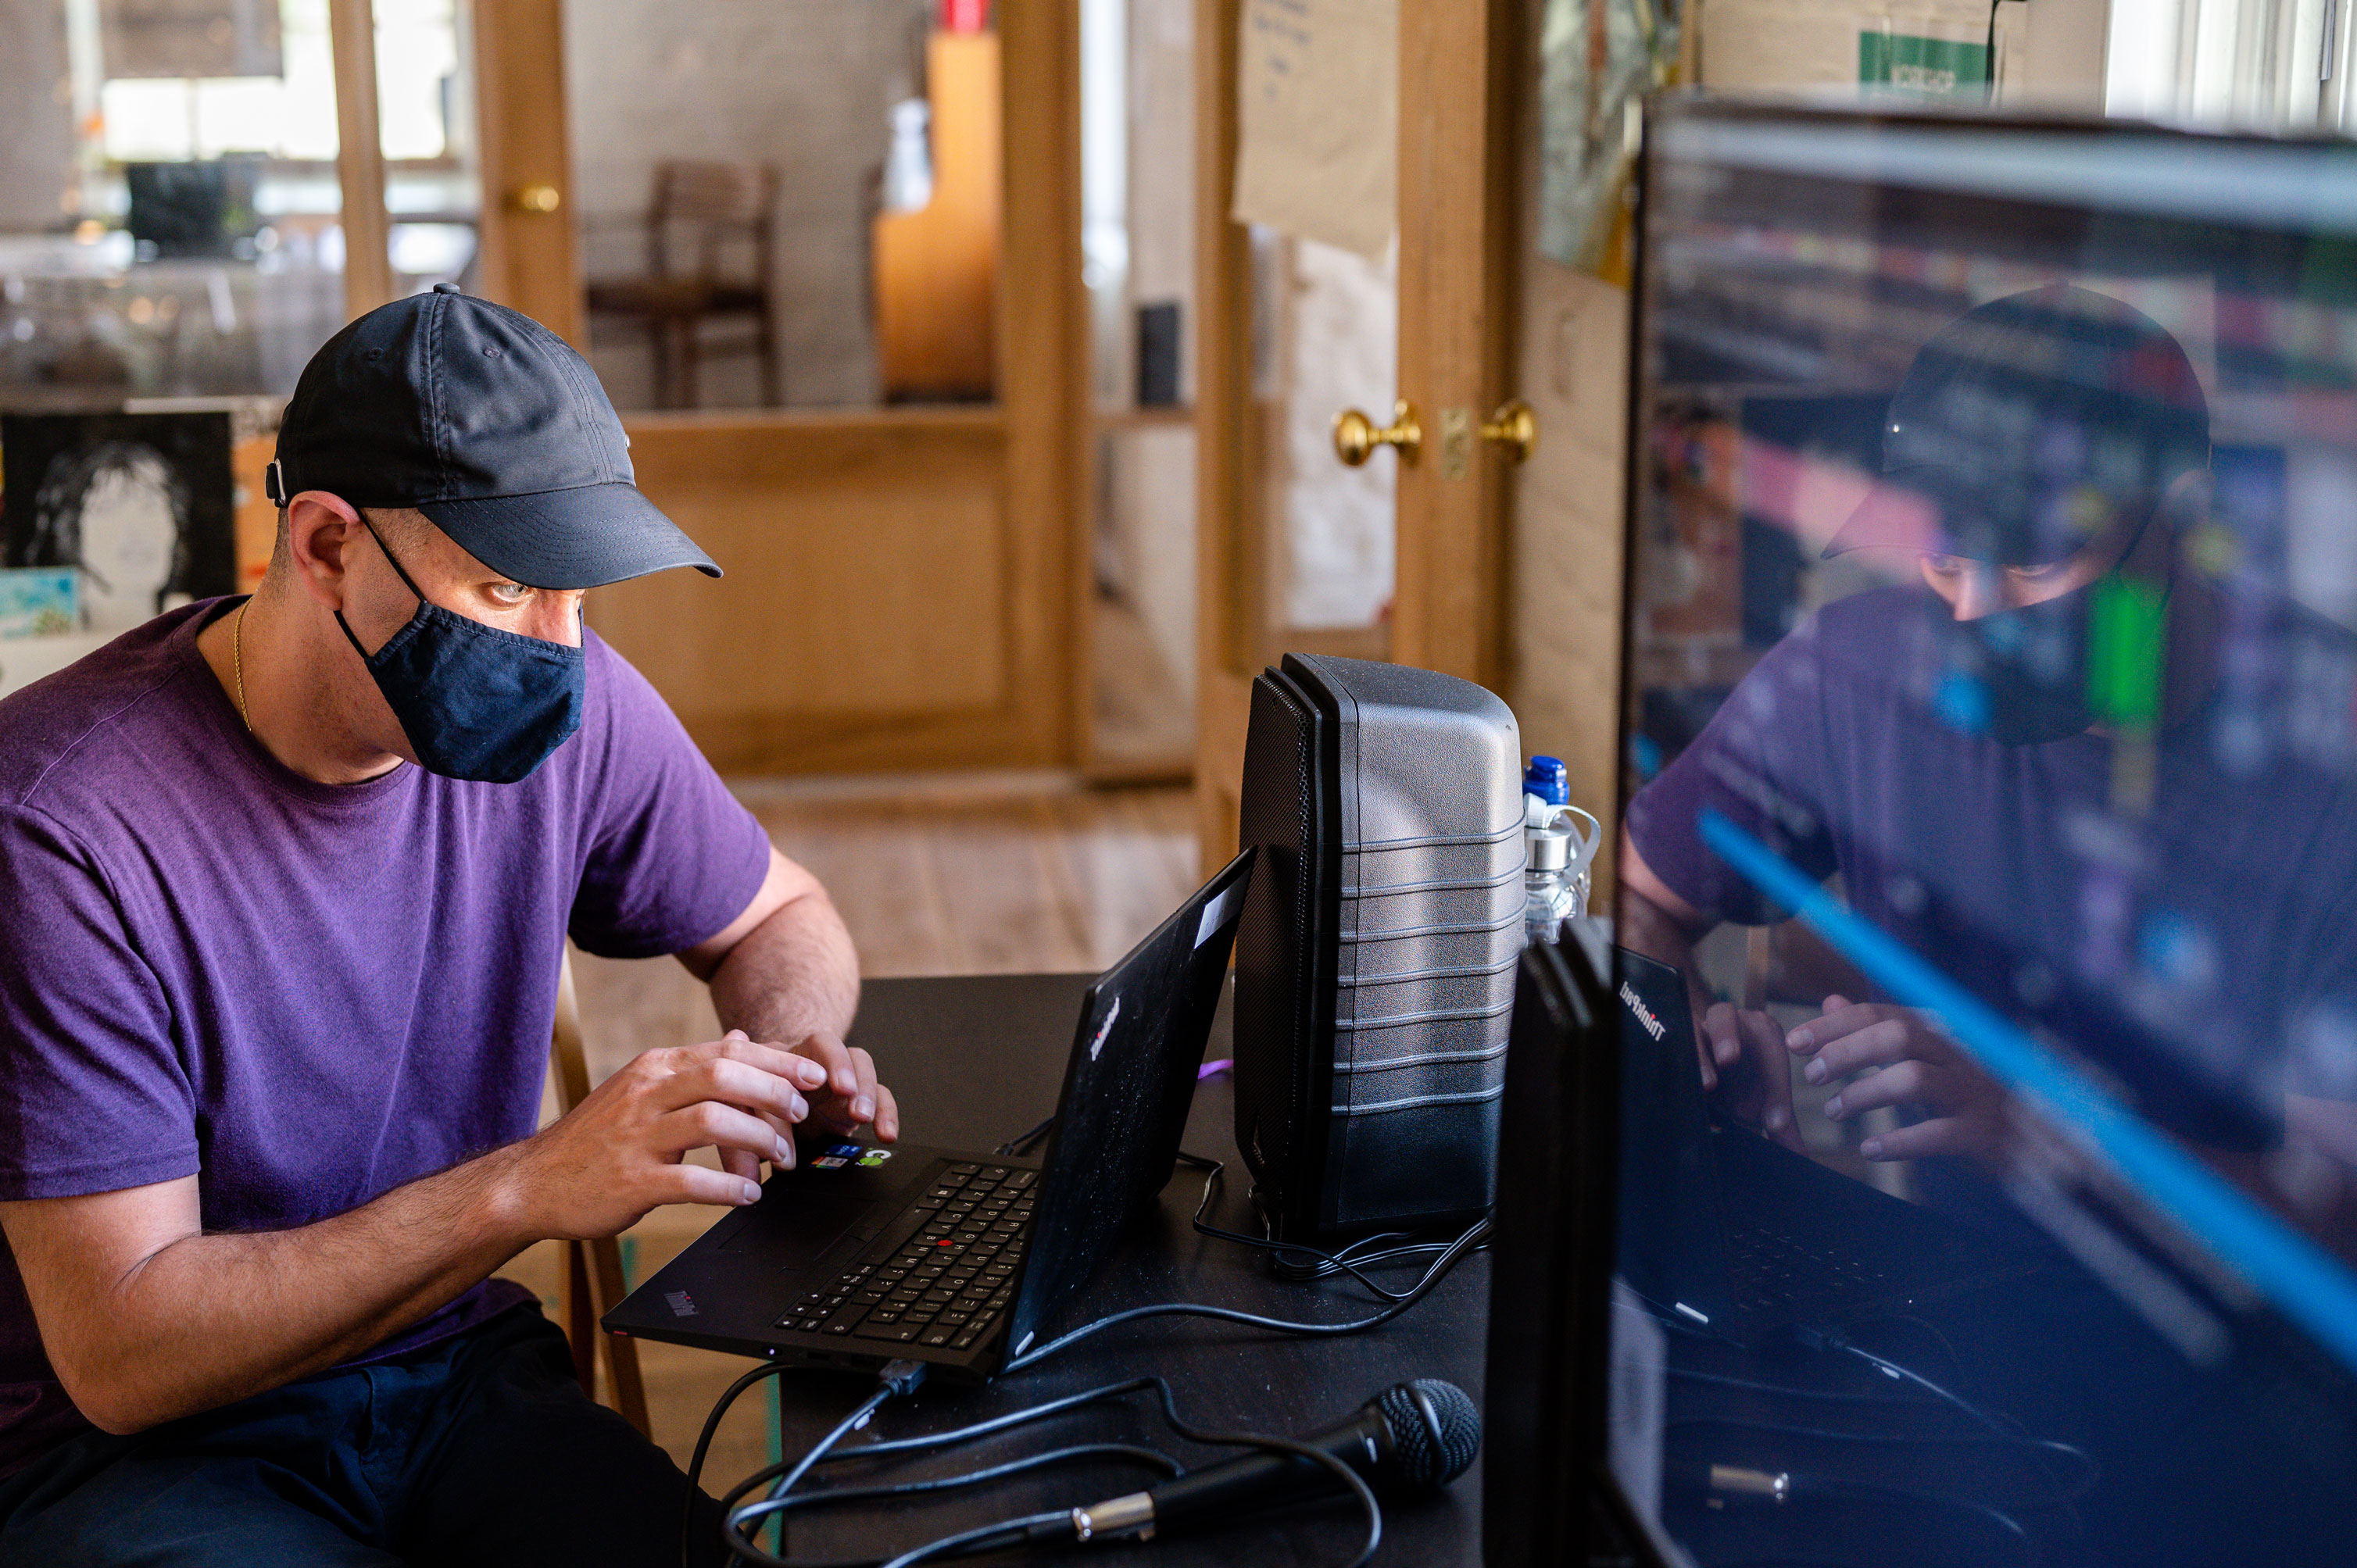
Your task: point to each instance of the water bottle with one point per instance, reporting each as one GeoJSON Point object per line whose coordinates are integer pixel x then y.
{"type": "Point", "coordinates": [1550, 887]}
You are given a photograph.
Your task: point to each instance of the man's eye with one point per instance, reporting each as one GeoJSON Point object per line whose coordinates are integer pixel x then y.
{"type": "Point", "coordinates": [510, 593]}
{"type": "Point", "coordinates": [1945, 565]}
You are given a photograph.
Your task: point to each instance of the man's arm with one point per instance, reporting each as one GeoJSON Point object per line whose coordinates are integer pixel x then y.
{"type": "Point", "coordinates": [784, 971]}
{"type": "Point", "coordinates": [146, 1318]}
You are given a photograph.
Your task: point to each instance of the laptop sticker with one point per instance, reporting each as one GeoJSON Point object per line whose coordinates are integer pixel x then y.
{"type": "Point", "coordinates": [1104, 1029]}
{"type": "Point", "coordinates": [845, 1150]}
{"type": "Point", "coordinates": [828, 1161]}
{"type": "Point", "coordinates": [874, 1157]}
{"type": "Point", "coordinates": [1216, 913]}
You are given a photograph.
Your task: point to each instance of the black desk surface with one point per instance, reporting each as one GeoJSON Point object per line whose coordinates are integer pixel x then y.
{"type": "Point", "coordinates": [975, 1061]}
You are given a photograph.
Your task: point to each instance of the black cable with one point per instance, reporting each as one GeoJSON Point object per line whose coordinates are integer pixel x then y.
{"type": "Point", "coordinates": [1022, 1142]}
{"type": "Point", "coordinates": [1032, 1529]}
{"type": "Point", "coordinates": [1868, 1492]}
{"type": "Point", "coordinates": [1422, 1287]}
{"type": "Point", "coordinates": [988, 1538]}
{"type": "Point", "coordinates": [1321, 1263]}
{"type": "Point", "coordinates": [1836, 1434]}
{"type": "Point", "coordinates": [704, 1445]}
{"type": "Point", "coordinates": [1892, 1368]}
{"type": "Point", "coordinates": [1801, 1486]}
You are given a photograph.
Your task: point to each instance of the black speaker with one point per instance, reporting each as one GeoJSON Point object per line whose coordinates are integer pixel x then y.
{"type": "Point", "coordinates": [1375, 962]}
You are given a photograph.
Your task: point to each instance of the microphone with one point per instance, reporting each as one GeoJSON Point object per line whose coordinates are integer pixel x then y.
{"type": "Point", "coordinates": [1413, 1437]}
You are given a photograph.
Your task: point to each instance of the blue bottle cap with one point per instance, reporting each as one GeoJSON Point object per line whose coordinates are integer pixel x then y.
{"type": "Point", "coordinates": [1546, 779]}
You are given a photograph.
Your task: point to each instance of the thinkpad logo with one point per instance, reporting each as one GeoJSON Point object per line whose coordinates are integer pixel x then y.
{"type": "Point", "coordinates": [681, 1304]}
{"type": "Point", "coordinates": [1644, 1013]}
{"type": "Point", "coordinates": [1104, 1029]}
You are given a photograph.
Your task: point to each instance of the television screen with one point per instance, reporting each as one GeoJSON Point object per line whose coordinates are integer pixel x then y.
{"type": "Point", "coordinates": [1988, 894]}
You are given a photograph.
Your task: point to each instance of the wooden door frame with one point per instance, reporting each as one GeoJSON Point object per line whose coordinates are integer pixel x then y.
{"type": "Point", "coordinates": [1461, 109]}
{"type": "Point", "coordinates": [530, 260]}
{"type": "Point", "coordinates": [1229, 591]}
{"type": "Point", "coordinates": [1458, 181]}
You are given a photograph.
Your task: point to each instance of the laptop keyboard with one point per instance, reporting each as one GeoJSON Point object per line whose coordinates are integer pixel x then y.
{"type": "Point", "coordinates": [949, 1283]}
{"type": "Point", "coordinates": [1774, 1270]}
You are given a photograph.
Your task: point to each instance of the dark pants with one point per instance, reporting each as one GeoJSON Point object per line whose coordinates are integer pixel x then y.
{"type": "Point", "coordinates": [479, 1449]}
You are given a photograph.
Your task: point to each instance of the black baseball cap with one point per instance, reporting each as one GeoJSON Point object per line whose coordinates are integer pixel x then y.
{"type": "Point", "coordinates": [492, 426]}
{"type": "Point", "coordinates": [2024, 426]}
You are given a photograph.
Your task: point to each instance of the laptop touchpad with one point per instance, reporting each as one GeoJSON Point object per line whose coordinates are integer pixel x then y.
{"type": "Point", "coordinates": [805, 1227]}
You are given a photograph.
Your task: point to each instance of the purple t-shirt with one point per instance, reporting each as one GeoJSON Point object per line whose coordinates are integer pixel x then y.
{"type": "Point", "coordinates": [2204, 949]}
{"type": "Point", "coordinates": [305, 994]}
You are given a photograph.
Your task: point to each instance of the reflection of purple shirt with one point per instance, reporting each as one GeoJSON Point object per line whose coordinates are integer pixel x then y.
{"type": "Point", "coordinates": [2218, 934]}
{"type": "Point", "coordinates": [305, 994]}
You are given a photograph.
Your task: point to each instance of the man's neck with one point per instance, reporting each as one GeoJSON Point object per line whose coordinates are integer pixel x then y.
{"type": "Point", "coordinates": [291, 700]}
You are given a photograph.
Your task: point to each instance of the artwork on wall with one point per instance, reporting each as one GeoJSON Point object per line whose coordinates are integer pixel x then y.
{"type": "Point", "coordinates": [141, 505]}
{"type": "Point", "coordinates": [1597, 60]}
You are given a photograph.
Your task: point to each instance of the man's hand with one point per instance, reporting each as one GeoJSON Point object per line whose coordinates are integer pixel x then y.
{"type": "Point", "coordinates": [1744, 1063]}
{"type": "Point", "coordinates": [620, 1152]}
{"type": "Point", "coordinates": [849, 1097]}
{"type": "Point", "coordinates": [1914, 1064]}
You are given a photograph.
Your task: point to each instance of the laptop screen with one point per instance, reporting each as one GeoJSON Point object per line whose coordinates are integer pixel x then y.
{"type": "Point", "coordinates": [1128, 1085]}
{"type": "Point", "coordinates": [1992, 774]}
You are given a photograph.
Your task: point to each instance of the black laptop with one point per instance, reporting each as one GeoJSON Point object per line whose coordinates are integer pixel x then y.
{"type": "Point", "coordinates": [865, 1255]}
{"type": "Point", "coordinates": [1727, 1233]}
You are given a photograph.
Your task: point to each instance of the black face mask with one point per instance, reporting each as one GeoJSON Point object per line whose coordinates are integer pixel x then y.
{"type": "Point", "coordinates": [476, 702]}
{"type": "Point", "coordinates": [2033, 665]}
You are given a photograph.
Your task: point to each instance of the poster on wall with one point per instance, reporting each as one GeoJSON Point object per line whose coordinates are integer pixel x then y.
{"type": "Point", "coordinates": [1317, 121]}
{"type": "Point", "coordinates": [1597, 59]}
{"type": "Point", "coordinates": [141, 507]}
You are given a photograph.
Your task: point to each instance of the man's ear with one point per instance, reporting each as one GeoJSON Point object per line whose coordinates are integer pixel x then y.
{"type": "Point", "coordinates": [321, 531]}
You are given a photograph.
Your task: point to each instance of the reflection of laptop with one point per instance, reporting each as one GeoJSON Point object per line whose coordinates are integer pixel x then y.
{"type": "Point", "coordinates": [865, 1255]}
{"type": "Point", "coordinates": [1722, 1229]}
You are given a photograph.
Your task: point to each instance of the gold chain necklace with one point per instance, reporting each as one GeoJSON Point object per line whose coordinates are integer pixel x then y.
{"type": "Point", "coordinates": [237, 658]}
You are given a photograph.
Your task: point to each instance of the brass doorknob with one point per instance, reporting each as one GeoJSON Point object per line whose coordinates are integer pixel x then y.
{"type": "Point", "coordinates": [1515, 428]}
{"type": "Point", "coordinates": [1356, 436]}
{"type": "Point", "coordinates": [541, 198]}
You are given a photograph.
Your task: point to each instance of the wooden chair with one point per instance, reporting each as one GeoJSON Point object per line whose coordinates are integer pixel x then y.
{"type": "Point", "coordinates": [712, 205]}
{"type": "Point", "coordinates": [593, 1270]}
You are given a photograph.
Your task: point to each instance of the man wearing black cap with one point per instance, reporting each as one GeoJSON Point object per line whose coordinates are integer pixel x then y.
{"type": "Point", "coordinates": [2026, 765]}
{"type": "Point", "coordinates": [289, 882]}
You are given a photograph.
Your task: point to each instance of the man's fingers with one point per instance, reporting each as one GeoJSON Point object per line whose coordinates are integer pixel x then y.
{"type": "Point", "coordinates": [794, 1067]}
{"type": "Point", "coordinates": [834, 1057]}
{"type": "Point", "coordinates": [1907, 1083]}
{"type": "Point", "coordinates": [713, 1124]}
{"type": "Point", "coordinates": [1725, 1040]}
{"type": "Point", "coordinates": [701, 1184]}
{"type": "Point", "coordinates": [1940, 1135]}
{"type": "Point", "coordinates": [887, 1114]}
{"type": "Point", "coordinates": [735, 1080]}
{"type": "Point", "coordinates": [1876, 1045]}
{"type": "Point", "coordinates": [740, 1163]}
{"type": "Point", "coordinates": [1840, 1017]}
{"type": "Point", "coordinates": [863, 1098]}
{"type": "Point", "coordinates": [1765, 1046]}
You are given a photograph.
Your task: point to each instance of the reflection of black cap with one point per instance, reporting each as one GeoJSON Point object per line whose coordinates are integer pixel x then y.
{"type": "Point", "coordinates": [488, 423]}
{"type": "Point", "coordinates": [2025, 426]}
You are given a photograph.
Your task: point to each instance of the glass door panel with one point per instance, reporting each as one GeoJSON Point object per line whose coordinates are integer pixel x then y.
{"type": "Point", "coordinates": [800, 208]}
{"type": "Point", "coordinates": [170, 217]}
{"type": "Point", "coordinates": [1137, 110]}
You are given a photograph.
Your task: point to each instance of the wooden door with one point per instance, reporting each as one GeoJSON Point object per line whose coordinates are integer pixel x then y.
{"type": "Point", "coordinates": [901, 581]}
{"type": "Point", "coordinates": [1460, 73]}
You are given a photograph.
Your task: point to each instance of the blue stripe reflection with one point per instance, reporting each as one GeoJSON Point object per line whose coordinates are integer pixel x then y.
{"type": "Point", "coordinates": [2307, 1284]}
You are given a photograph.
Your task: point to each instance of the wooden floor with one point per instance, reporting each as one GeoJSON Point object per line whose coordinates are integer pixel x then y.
{"type": "Point", "coordinates": [967, 873]}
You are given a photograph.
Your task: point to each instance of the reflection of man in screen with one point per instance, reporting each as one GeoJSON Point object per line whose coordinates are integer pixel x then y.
{"type": "Point", "coordinates": [120, 512]}
{"type": "Point", "coordinates": [2018, 760]}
